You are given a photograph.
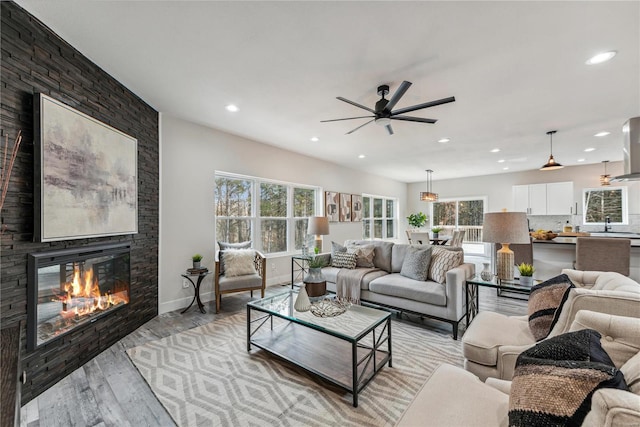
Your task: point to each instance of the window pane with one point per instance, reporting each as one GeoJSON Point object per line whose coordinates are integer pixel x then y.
{"type": "Point", "coordinates": [366, 207]}
{"type": "Point", "coordinates": [377, 229]}
{"type": "Point", "coordinates": [377, 208]}
{"type": "Point", "coordinates": [300, 232]}
{"type": "Point", "coordinates": [390, 209]}
{"type": "Point", "coordinates": [390, 228]}
{"type": "Point", "coordinates": [273, 200]}
{"type": "Point", "coordinates": [602, 203]}
{"type": "Point", "coordinates": [233, 197]}
{"type": "Point", "coordinates": [274, 235]}
{"type": "Point", "coordinates": [233, 230]}
{"type": "Point", "coordinates": [470, 212]}
{"type": "Point", "coordinates": [444, 213]}
{"type": "Point", "coordinates": [366, 228]}
{"type": "Point", "coordinates": [303, 202]}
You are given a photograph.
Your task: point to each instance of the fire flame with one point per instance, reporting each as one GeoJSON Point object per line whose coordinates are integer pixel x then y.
{"type": "Point", "coordinates": [82, 296]}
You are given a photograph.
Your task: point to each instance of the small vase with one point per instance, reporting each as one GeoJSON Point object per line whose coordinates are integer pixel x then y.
{"type": "Point", "coordinates": [526, 280]}
{"type": "Point", "coordinates": [435, 235]}
{"type": "Point", "coordinates": [486, 274]}
{"type": "Point", "coordinates": [196, 264]}
{"type": "Point", "coordinates": [302, 301]}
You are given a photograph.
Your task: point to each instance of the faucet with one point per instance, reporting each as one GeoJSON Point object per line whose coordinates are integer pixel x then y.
{"type": "Point", "coordinates": [607, 224]}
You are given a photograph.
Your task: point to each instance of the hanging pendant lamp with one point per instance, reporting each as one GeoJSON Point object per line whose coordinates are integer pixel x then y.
{"type": "Point", "coordinates": [551, 163]}
{"type": "Point", "coordinates": [606, 178]}
{"type": "Point", "coordinates": [428, 196]}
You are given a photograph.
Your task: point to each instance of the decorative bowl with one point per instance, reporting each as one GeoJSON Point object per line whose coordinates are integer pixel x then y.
{"type": "Point", "coordinates": [543, 235]}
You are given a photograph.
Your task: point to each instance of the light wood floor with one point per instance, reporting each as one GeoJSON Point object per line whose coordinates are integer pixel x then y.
{"type": "Point", "coordinates": [109, 391]}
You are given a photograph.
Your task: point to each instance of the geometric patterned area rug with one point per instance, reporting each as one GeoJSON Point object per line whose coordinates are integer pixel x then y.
{"type": "Point", "coordinates": [206, 377]}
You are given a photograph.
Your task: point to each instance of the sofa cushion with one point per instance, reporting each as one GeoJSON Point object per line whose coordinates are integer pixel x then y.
{"type": "Point", "coordinates": [545, 304]}
{"type": "Point", "coordinates": [343, 260]}
{"type": "Point", "coordinates": [382, 258]}
{"type": "Point", "coordinates": [403, 287]}
{"type": "Point", "coordinates": [364, 255]}
{"type": "Point", "coordinates": [416, 263]}
{"type": "Point", "coordinates": [553, 381]}
{"type": "Point", "coordinates": [443, 260]}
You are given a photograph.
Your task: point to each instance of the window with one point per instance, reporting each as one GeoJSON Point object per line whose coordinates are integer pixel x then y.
{"type": "Point", "coordinates": [599, 203]}
{"type": "Point", "coordinates": [462, 214]}
{"type": "Point", "coordinates": [272, 214]}
{"type": "Point", "coordinates": [379, 217]}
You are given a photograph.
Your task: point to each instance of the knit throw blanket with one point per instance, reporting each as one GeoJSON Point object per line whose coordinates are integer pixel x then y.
{"type": "Point", "coordinates": [349, 282]}
{"type": "Point", "coordinates": [554, 381]}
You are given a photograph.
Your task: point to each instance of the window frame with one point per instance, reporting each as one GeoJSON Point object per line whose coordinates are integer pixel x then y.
{"type": "Point", "coordinates": [485, 203]}
{"type": "Point", "coordinates": [369, 198]}
{"type": "Point", "coordinates": [625, 205]}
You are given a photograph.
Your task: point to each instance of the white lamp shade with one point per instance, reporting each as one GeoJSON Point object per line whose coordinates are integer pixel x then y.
{"type": "Point", "coordinates": [318, 225]}
{"type": "Point", "coordinates": [505, 227]}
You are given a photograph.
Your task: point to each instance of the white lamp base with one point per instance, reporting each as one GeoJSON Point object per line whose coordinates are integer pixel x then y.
{"type": "Point", "coordinates": [505, 262]}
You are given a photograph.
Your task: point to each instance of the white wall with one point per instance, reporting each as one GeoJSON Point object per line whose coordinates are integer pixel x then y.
{"type": "Point", "coordinates": [190, 156]}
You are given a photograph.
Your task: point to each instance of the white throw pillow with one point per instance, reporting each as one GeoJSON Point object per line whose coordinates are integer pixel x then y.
{"type": "Point", "coordinates": [443, 260]}
{"type": "Point", "coordinates": [239, 262]}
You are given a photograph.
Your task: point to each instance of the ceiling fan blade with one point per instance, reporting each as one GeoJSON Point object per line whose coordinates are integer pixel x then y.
{"type": "Point", "coordinates": [389, 129]}
{"type": "Point", "coordinates": [413, 119]}
{"type": "Point", "coordinates": [355, 104]}
{"type": "Point", "coordinates": [425, 105]}
{"type": "Point", "coordinates": [348, 133]}
{"type": "Point", "coordinates": [348, 118]}
{"type": "Point", "coordinates": [396, 96]}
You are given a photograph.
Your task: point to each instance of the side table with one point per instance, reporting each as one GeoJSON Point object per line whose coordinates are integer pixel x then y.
{"type": "Point", "coordinates": [201, 274]}
{"type": "Point", "coordinates": [299, 266]}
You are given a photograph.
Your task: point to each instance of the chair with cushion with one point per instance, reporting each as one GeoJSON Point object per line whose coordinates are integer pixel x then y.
{"type": "Point", "coordinates": [238, 269]}
{"type": "Point", "coordinates": [457, 238]}
{"type": "Point", "coordinates": [493, 341]}
{"type": "Point", "coordinates": [603, 254]}
{"type": "Point", "coordinates": [455, 397]}
{"type": "Point", "coordinates": [420, 238]}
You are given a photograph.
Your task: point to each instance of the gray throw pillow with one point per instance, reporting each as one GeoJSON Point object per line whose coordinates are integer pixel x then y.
{"type": "Point", "coordinates": [226, 246]}
{"type": "Point", "coordinates": [416, 263]}
{"type": "Point", "coordinates": [337, 247]}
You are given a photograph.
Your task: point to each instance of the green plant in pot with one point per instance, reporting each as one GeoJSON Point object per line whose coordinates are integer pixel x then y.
{"type": "Point", "coordinates": [526, 273]}
{"type": "Point", "coordinates": [417, 220]}
{"type": "Point", "coordinates": [315, 283]}
{"type": "Point", "coordinates": [435, 231]}
{"type": "Point", "coordinates": [196, 260]}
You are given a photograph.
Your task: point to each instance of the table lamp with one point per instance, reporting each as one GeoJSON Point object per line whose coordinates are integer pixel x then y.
{"type": "Point", "coordinates": [318, 226]}
{"type": "Point", "coordinates": [505, 228]}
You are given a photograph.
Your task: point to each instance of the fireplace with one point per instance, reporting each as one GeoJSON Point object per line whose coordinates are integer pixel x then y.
{"type": "Point", "coordinates": [69, 288]}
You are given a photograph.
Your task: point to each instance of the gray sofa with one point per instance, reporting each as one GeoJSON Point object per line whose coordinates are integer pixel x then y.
{"type": "Point", "coordinates": [387, 287]}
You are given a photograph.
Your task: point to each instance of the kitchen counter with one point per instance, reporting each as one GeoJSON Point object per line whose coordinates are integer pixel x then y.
{"type": "Point", "coordinates": [572, 241]}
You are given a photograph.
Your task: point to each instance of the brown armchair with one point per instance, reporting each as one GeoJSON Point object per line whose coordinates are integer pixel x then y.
{"type": "Point", "coordinates": [248, 282]}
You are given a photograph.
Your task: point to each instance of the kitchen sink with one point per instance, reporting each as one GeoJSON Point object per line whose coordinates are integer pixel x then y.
{"type": "Point", "coordinates": [620, 234]}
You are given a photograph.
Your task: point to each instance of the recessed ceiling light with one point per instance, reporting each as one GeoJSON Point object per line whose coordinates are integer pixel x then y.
{"type": "Point", "coordinates": [581, 160]}
{"type": "Point", "coordinates": [590, 149]}
{"type": "Point", "coordinates": [315, 139]}
{"type": "Point", "coordinates": [444, 140]}
{"type": "Point", "coordinates": [232, 108]}
{"type": "Point", "coordinates": [495, 150]}
{"type": "Point", "coordinates": [604, 133]}
{"type": "Point", "coordinates": [501, 161]}
{"type": "Point", "coordinates": [361, 156]}
{"type": "Point", "coordinates": [601, 57]}
{"type": "Point", "coordinates": [505, 168]}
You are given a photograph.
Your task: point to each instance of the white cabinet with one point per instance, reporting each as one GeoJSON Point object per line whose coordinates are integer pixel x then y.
{"type": "Point", "coordinates": [544, 199]}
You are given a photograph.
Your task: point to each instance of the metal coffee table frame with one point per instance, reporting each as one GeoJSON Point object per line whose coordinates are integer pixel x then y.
{"type": "Point", "coordinates": [303, 343]}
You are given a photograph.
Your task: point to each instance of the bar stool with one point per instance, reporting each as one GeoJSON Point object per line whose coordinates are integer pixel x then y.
{"type": "Point", "coordinates": [603, 254]}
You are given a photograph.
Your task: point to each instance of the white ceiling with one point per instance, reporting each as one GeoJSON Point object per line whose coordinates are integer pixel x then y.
{"type": "Point", "coordinates": [517, 70]}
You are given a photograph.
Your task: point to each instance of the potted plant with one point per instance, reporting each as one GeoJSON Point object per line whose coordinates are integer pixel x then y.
{"type": "Point", "coordinates": [435, 231]}
{"type": "Point", "coordinates": [417, 220]}
{"type": "Point", "coordinates": [314, 281]}
{"type": "Point", "coordinates": [526, 274]}
{"type": "Point", "coordinates": [196, 260]}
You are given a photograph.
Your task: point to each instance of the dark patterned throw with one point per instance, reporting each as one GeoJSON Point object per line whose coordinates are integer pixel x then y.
{"type": "Point", "coordinates": [554, 381]}
{"type": "Point", "coordinates": [545, 304]}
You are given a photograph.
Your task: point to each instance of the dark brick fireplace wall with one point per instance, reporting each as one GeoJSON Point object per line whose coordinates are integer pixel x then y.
{"type": "Point", "coordinates": [34, 59]}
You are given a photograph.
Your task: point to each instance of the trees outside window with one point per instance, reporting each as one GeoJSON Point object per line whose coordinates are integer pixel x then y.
{"type": "Point", "coordinates": [462, 214]}
{"type": "Point", "coordinates": [599, 203]}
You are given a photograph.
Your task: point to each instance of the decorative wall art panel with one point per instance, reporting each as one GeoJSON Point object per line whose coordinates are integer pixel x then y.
{"type": "Point", "coordinates": [345, 207]}
{"type": "Point", "coordinates": [356, 207]}
{"type": "Point", "coordinates": [86, 174]}
{"type": "Point", "coordinates": [332, 206]}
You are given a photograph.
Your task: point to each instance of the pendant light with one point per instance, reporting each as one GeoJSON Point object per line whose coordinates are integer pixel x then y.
{"type": "Point", "coordinates": [428, 196]}
{"type": "Point", "coordinates": [551, 163]}
{"type": "Point", "coordinates": [606, 178]}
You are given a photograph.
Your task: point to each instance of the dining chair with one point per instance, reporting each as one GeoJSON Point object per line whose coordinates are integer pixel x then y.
{"type": "Point", "coordinates": [420, 238]}
{"type": "Point", "coordinates": [603, 254]}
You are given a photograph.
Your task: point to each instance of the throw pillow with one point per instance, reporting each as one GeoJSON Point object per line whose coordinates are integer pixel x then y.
{"type": "Point", "coordinates": [554, 381]}
{"type": "Point", "coordinates": [337, 247]}
{"type": "Point", "coordinates": [343, 260]}
{"type": "Point", "coordinates": [443, 260]}
{"type": "Point", "coordinates": [364, 255]}
{"type": "Point", "coordinates": [545, 304]}
{"type": "Point", "coordinates": [225, 246]}
{"type": "Point", "coordinates": [239, 262]}
{"type": "Point", "coordinates": [416, 263]}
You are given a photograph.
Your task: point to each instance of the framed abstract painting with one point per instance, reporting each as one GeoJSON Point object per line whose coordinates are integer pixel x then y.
{"type": "Point", "coordinates": [332, 205]}
{"type": "Point", "coordinates": [356, 207]}
{"type": "Point", "coordinates": [86, 175]}
{"type": "Point", "coordinates": [345, 207]}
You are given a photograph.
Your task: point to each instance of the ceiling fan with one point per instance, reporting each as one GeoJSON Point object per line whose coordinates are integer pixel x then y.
{"type": "Point", "coordinates": [384, 113]}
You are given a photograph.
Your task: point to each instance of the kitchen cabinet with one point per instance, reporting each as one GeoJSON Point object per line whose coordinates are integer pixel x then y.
{"type": "Point", "coordinates": [544, 199]}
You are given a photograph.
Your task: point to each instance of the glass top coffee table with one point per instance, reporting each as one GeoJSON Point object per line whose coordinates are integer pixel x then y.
{"type": "Point", "coordinates": [347, 350]}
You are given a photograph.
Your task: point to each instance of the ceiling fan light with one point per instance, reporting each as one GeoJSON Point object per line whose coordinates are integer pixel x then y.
{"type": "Point", "coordinates": [383, 121]}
